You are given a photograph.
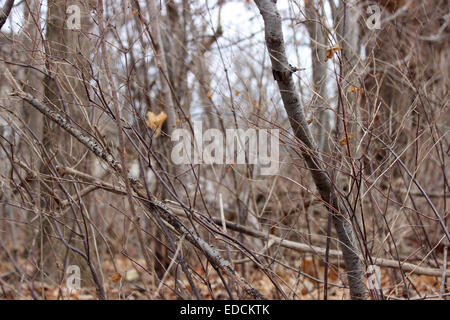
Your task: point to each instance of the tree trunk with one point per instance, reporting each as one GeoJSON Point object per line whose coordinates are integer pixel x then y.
{"type": "Point", "coordinates": [282, 73]}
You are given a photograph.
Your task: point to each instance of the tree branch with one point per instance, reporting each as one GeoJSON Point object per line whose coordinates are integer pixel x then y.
{"type": "Point", "coordinates": [5, 11]}
{"type": "Point", "coordinates": [307, 248]}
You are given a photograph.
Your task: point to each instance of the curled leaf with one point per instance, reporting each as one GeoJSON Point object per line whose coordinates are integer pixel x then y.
{"type": "Point", "coordinates": [331, 52]}
{"type": "Point", "coordinates": [155, 122]}
{"type": "Point", "coordinates": [358, 91]}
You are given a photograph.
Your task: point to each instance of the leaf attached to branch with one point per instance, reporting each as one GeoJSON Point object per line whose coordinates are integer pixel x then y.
{"type": "Point", "coordinates": [331, 52]}
{"type": "Point", "coordinates": [155, 122]}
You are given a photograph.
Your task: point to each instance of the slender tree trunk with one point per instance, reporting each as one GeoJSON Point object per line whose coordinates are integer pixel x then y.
{"type": "Point", "coordinates": [348, 36]}
{"type": "Point", "coordinates": [162, 66]}
{"type": "Point", "coordinates": [169, 107]}
{"type": "Point", "coordinates": [67, 53]}
{"type": "Point", "coordinates": [318, 44]}
{"type": "Point", "coordinates": [282, 73]}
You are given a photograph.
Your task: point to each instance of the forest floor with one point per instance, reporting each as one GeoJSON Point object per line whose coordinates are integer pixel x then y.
{"type": "Point", "coordinates": [129, 282]}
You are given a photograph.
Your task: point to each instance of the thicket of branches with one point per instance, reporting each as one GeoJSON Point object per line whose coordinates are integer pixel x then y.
{"type": "Point", "coordinates": [87, 114]}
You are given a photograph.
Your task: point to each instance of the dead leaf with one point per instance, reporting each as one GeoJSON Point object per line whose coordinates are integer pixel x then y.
{"type": "Point", "coordinates": [307, 266]}
{"type": "Point", "coordinates": [377, 117]}
{"type": "Point", "coordinates": [331, 52]}
{"type": "Point", "coordinates": [133, 13]}
{"type": "Point", "coordinates": [115, 277]}
{"type": "Point", "coordinates": [155, 122]}
{"type": "Point", "coordinates": [74, 296]}
{"type": "Point", "coordinates": [344, 141]}
{"type": "Point", "coordinates": [359, 91]}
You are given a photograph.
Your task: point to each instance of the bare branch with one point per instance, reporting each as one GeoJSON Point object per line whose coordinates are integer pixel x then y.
{"type": "Point", "coordinates": [213, 255]}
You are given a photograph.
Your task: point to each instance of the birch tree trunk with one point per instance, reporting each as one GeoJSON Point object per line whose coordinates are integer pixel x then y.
{"type": "Point", "coordinates": [282, 73]}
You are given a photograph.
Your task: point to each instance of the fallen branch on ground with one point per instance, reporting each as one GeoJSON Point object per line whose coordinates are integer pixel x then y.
{"type": "Point", "coordinates": [306, 248]}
